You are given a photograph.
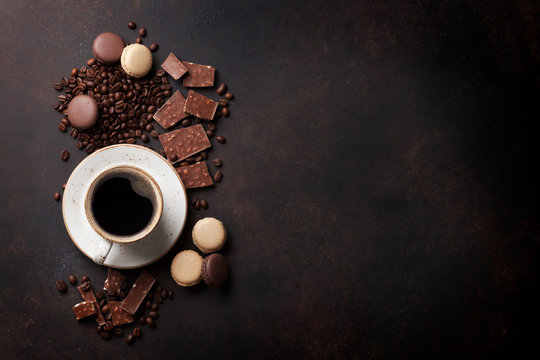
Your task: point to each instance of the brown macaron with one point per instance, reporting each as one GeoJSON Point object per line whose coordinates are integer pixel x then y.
{"type": "Point", "coordinates": [214, 270]}
{"type": "Point", "coordinates": [82, 112]}
{"type": "Point", "coordinates": [108, 47]}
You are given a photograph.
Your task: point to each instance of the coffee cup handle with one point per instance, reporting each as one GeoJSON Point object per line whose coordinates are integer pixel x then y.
{"type": "Point", "coordinates": [102, 251]}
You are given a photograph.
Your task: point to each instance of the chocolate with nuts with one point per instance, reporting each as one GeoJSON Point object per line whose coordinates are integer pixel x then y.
{"type": "Point", "coordinates": [182, 143]}
{"type": "Point", "coordinates": [172, 111]}
{"type": "Point", "coordinates": [200, 106]}
{"type": "Point", "coordinates": [195, 176]}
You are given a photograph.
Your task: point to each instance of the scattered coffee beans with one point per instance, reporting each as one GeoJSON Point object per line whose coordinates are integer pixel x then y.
{"type": "Point", "coordinates": [153, 314]}
{"type": "Point", "coordinates": [217, 176]}
{"type": "Point", "coordinates": [57, 196]}
{"type": "Point", "coordinates": [85, 286]}
{"type": "Point", "coordinates": [221, 89]}
{"type": "Point", "coordinates": [130, 339]}
{"type": "Point", "coordinates": [154, 46]}
{"type": "Point", "coordinates": [204, 204]}
{"type": "Point", "coordinates": [217, 162]}
{"type": "Point", "coordinates": [64, 155]}
{"type": "Point", "coordinates": [132, 25]}
{"type": "Point", "coordinates": [105, 335]}
{"type": "Point", "coordinates": [223, 102]}
{"type": "Point", "coordinates": [61, 285]}
{"type": "Point", "coordinates": [225, 112]}
{"type": "Point", "coordinates": [85, 278]}
{"type": "Point", "coordinates": [138, 40]}
{"type": "Point", "coordinates": [136, 332]}
{"type": "Point", "coordinates": [229, 95]}
{"type": "Point", "coordinates": [142, 32]}
{"type": "Point", "coordinates": [118, 332]}
{"type": "Point", "coordinates": [72, 279]}
{"type": "Point", "coordinates": [150, 322]}
{"type": "Point", "coordinates": [221, 139]}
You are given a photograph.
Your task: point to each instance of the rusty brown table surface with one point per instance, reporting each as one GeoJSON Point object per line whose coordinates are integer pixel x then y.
{"type": "Point", "coordinates": [379, 186]}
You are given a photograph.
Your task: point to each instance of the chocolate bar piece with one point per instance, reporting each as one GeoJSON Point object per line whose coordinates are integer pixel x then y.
{"type": "Point", "coordinates": [119, 315]}
{"type": "Point", "coordinates": [88, 295]}
{"type": "Point", "coordinates": [182, 143]}
{"type": "Point", "coordinates": [195, 176]}
{"type": "Point", "coordinates": [172, 111]}
{"type": "Point", "coordinates": [200, 106]}
{"type": "Point", "coordinates": [198, 75]}
{"type": "Point", "coordinates": [174, 67]}
{"type": "Point", "coordinates": [138, 292]}
{"type": "Point", "coordinates": [114, 282]}
{"type": "Point", "coordinates": [84, 309]}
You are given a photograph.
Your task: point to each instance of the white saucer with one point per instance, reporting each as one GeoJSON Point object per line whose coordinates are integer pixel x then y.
{"type": "Point", "coordinates": [166, 232]}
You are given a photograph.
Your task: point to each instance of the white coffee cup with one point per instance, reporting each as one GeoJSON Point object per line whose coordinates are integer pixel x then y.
{"type": "Point", "coordinates": [142, 184]}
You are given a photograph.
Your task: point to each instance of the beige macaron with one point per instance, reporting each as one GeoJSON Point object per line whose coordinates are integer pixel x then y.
{"type": "Point", "coordinates": [186, 268]}
{"type": "Point", "coordinates": [136, 60]}
{"type": "Point", "coordinates": [209, 235]}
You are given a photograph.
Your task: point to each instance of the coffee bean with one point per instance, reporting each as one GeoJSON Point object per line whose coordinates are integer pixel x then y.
{"type": "Point", "coordinates": [217, 162]}
{"type": "Point", "coordinates": [154, 46]}
{"type": "Point", "coordinates": [136, 332]}
{"type": "Point", "coordinates": [64, 155]}
{"type": "Point", "coordinates": [109, 326]}
{"type": "Point", "coordinates": [158, 298]}
{"type": "Point", "coordinates": [138, 40]}
{"type": "Point", "coordinates": [174, 158]}
{"type": "Point", "coordinates": [150, 322]}
{"type": "Point", "coordinates": [164, 293]}
{"type": "Point", "coordinates": [223, 102]}
{"type": "Point", "coordinates": [145, 138]}
{"type": "Point", "coordinates": [105, 335]}
{"type": "Point", "coordinates": [154, 134]}
{"type": "Point", "coordinates": [142, 32]}
{"type": "Point", "coordinates": [105, 309]}
{"type": "Point", "coordinates": [209, 133]}
{"type": "Point", "coordinates": [217, 176]}
{"type": "Point", "coordinates": [142, 320]}
{"type": "Point", "coordinates": [118, 332]}
{"type": "Point", "coordinates": [204, 155]}
{"type": "Point", "coordinates": [61, 285]}
{"type": "Point", "coordinates": [61, 127]}
{"type": "Point", "coordinates": [132, 25]}
{"type": "Point", "coordinates": [221, 89]}
{"type": "Point", "coordinates": [130, 339]}
{"type": "Point", "coordinates": [74, 72]}
{"type": "Point", "coordinates": [91, 62]}
{"type": "Point", "coordinates": [99, 329]}
{"type": "Point", "coordinates": [148, 304]}
{"type": "Point", "coordinates": [100, 295]}
{"type": "Point", "coordinates": [57, 196]}
{"type": "Point", "coordinates": [74, 133]}
{"type": "Point", "coordinates": [63, 188]}
{"type": "Point", "coordinates": [225, 112]}
{"type": "Point", "coordinates": [85, 286]}
{"type": "Point", "coordinates": [155, 307]}
{"type": "Point", "coordinates": [186, 122]}
{"type": "Point", "coordinates": [85, 278]}
{"type": "Point", "coordinates": [150, 296]}
{"type": "Point", "coordinates": [160, 73]}
{"type": "Point", "coordinates": [149, 127]}
{"type": "Point", "coordinates": [57, 86]}
{"type": "Point", "coordinates": [198, 205]}
{"type": "Point", "coordinates": [171, 295]}
{"type": "Point", "coordinates": [204, 204]}
{"type": "Point", "coordinates": [193, 199]}
{"type": "Point", "coordinates": [221, 139]}
{"type": "Point", "coordinates": [229, 95]}
{"type": "Point", "coordinates": [153, 314]}
{"type": "Point", "coordinates": [90, 148]}
{"type": "Point", "coordinates": [72, 279]}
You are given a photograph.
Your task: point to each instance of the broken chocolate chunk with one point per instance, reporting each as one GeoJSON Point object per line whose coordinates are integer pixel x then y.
{"type": "Point", "coordinates": [89, 296]}
{"type": "Point", "coordinates": [174, 67]}
{"type": "Point", "coordinates": [138, 292]}
{"type": "Point", "coordinates": [172, 111]}
{"type": "Point", "coordinates": [119, 315]}
{"type": "Point", "coordinates": [114, 282]}
{"type": "Point", "coordinates": [198, 75]}
{"type": "Point", "coordinates": [84, 309]}
{"type": "Point", "coordinates": [200, 106]}
{"type": "Point", "coordinates": [182, 143]}
{"type": "Point", "coordinates": [195, 176]}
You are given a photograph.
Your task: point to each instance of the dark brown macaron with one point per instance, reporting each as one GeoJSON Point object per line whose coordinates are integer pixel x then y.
{"type": "Point", "coordinates": [108, 47]}
{"type": "Point", "coordinates": [215, 270]}
{"type": "Point", "coordinates": [83, 112]}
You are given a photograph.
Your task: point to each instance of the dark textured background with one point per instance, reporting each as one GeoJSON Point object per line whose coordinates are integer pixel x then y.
{"type": "Point", "coordinates": [379, 186]}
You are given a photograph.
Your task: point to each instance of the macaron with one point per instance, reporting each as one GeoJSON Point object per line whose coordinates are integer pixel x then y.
{"type": "Point", "coordinates": [136, 60]}
{"type": "Point", "coordinates": [209, 235]}
{"type": "Point", "coordinates": [186, 268]}
{"type": "Point", "coordinates": [82, 112]}
{"type": "Point", "coordinates": [108, 47]}
{"type": "Point", "coordinates": [215, 270]}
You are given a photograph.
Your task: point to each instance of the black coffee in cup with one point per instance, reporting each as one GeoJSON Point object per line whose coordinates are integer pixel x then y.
{"type": "Point", "coordinates": [118, 209]}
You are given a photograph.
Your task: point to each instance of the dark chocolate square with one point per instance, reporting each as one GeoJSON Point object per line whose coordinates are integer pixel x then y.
{"type": "Point", "coordinates": [198, 75]}
{"type": "Point", "coordinates": [200, 106]}
{"type": "Point", "coordinates": [174, 67]}
{"type": "Point", "coordinates": [172, 111]}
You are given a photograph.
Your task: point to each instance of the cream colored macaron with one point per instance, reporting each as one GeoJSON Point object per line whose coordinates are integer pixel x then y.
{"type": "Point", "coordinates": [186, 268]}
{"type": "Point", "coordinates": [209, 235]}
{"type": "Point", "coordinates": [136, 60]}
